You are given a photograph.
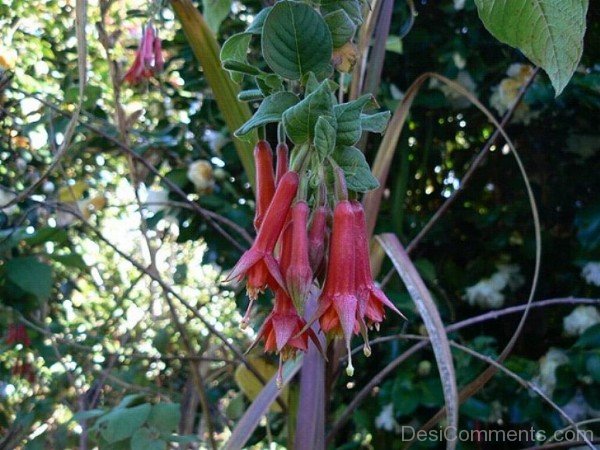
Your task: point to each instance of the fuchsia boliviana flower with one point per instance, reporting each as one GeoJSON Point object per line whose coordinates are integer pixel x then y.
{"type": "Point", "coordinates": [17, 334]}
{"type": "Point", "coordinates": [258, 264]}
{"type": "Point", "coordinates": [295, 258]}
{"type": "Point", "coordinates": [265, 180]}
{"type": "Point", "coordinates": [148, 57]}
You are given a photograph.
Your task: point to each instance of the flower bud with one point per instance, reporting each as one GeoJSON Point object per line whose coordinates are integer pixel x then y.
{"type": "Point", "coordinates": [298, 275]}
{"type": "Point", "coordinates": [265, 180]}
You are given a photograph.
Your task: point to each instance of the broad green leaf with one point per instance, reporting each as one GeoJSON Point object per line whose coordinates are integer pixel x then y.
{"type": "Point", "coordinates": [215, 11]}
{"type": "Point", "coordinates": [72, 260]}
{"type": "Point", "coordinates": [147, 439]}
{"type": "Point", "coordinates": [349, 121]}
{"type": "Point", "coordinates": [590, 338]}
{"type": "Point", "coordinates": [296, 40]}
{"type": "Point", "coordinates": [300, 120]}
{"type": "Point", "coordinates": [257, 24]}
{"type": "Point", "coordinates": [548, 32]}
{"type": "Point", "coordinates": [122, 423]}
{"type": "Point", "coordinates": [88, 414]}
{"type": "Point", "coordinates": [235, 49]}
{"type": "Point", "coordinates": [270, 110]}
{"type": "Point", "coordinates": [165, 416]}
{"type": "Point", "coordinates": [376, 123]}
{"type": "Point", "coordinates": [341, 26]}
{"type": "Point", "coordinates": [31, 275]}
{"type": "Point", "coordinates": [325, 136]}
{"type": "Point", "coordinates": [356, 169]}
{"type": "Point", "coordinates": [353, 8]}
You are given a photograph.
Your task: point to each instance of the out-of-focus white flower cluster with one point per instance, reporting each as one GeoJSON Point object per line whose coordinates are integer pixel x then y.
{"type": "Point", "coordinates": [487, 293]}
{"type": "Point", "coordinates": [580, 319]}
{"type": "Point", "coordinates": [591, 273]}
{"type": "Point", "coordinates": [505, 94]}
{"type": "Point", "coordinates": [5, 198]}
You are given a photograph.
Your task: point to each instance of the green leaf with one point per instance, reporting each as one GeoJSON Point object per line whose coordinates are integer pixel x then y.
{"type": "Point", "coordinates": [376, 123]}
{"type": "Point", "coordinates": [348, 117]}
{"type": "Point", "coordinates": [325, 136]}
{"type": "Point", "coordinates": [215, 11]}
{"type": "Point", "coordinates": [30, 275]}
{"type": "Point", "coordinates": [548, 32]}
{"type": "Point", "coordinates": [72, 260]}
{"type": "Point", "coordinates": [356, 169]}
{"type": "Point", "coordinates": [270, 110]}
{"type": "Point", "coordinates": [165, 416]}
{"type": "Point", "coordinates": [341, 26]}
{"type": "Point", "coordinates": [300, 120]}
{"type": "Point", "coordinates": [122, 423]}
{"type": "Point", "coordinates": [590, 338]}
{"type": "Point", "coordinates": [257, 24]}
{"type": "Point", "coordinates": [296, 40]}
{"type": "Point", "coordinates": [235, 49]}
{"type": "Point", "coordinates": [351, 7]}
{"type": "Point", "coordinates": [592, 366]}
{"type": "Point", "coordinates": [147, 439]}
{"type": "Point", "coordinates": [88, 414]}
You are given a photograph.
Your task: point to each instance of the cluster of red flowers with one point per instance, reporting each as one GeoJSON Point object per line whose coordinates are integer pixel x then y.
{"type": "Point", "coordinates": [292, 255]}
{"type": "Point", "coordinates": [17, 334]}
{"type": "Point", "coordinates": [148, 58]}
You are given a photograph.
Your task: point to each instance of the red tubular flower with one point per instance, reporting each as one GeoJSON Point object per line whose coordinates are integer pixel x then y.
{"type": "Point", "coordinates": [371, 299]}
{"type": "Point", "coordinates": [17, 334]}
{"type": "Point", "coordinates": [297, 273]}
{"type": "Point", "coordinates": [284, 331]}
{"type": "Point", "coordinates": [258, 263]}
{"type": "Point", "coordinates": [148, 58]}
{"type": "Point", "coordinates": [338, 304]}
{"type": "Point", "coordinates": [317, 235]}
{"type": "Point", "coordinates": [282, 161]}
{"type": "Point", "coordinates": [265, 180]}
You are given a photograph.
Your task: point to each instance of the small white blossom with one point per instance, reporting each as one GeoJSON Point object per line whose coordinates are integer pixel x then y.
{"type": "Point", "coordinates": [156, 200]}
{"type": "Point", "coordinates": [5, 198]}
{"type": "Point", "coordinates": [201, 174]}
{"type": "Point", "coordinates": [580, 319]}
{"type": "Point", "coordinates": [385, 420]}
{"type": "Point", "coordinates": [546, 380]}
{"type": "Point", "coordinates": [505, 94]}
{"type": "Point", "coordinates": [591, 273]}
{"type": "Point", "coordinates": [48, 187]}
{"type": "Point", "coordinates": [459, 4]}
{"type": "Point", "coordinates": [487, 293]}
{"type": "Point", "coordinates": [214, 139]}
{"type": "Point", "coordinates": [456, 99]}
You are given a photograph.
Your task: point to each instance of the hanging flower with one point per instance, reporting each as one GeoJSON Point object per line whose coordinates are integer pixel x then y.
{"type": "Point", "coordinates": [298, 274]}
{"type": "Point", "coordinates": [282, 161]}
{"type": "Point", "coordinates": [371, 299]}
{"type": "Point", "coordinates": [265, 180]}
{"type": "Point", "coordinates": [338, 304]}
{"type": "Point", "coordinates": [258, 264]}
{"type": "Point", "coordinates": [148, 57]}
{"type": "Point", "coordinates": [317, 237]}
{"type": "Point", "coordinates": [17, 334]}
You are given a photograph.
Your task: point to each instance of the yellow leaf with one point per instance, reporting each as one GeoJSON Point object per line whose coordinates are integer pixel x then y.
{"type": "Point", "coordinates": [251, 386]}
{"type": "Point", "coordinates": [72, 193]}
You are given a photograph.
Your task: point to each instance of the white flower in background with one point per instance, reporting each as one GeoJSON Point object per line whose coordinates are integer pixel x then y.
{"type": "Point", "coordinates": [456, 99]}
{"type": "Point", "coordinates": [487, 293]}
{"type": "Point", "coordinates": [459, 4]}
{"type": "Point", "coordinates": [580, 319]}
{"type": "Point", "coordinates": [385, 420]}
{"type": "Point", "coordinates": [395, 92]}
{"type": "Point", "coordinates": [5, 198]}
{"type": "Point", "coordinates": [591, 273]}
{"type": "Point", "coordinates": [156, 199]}
{"type": "Point", "coordinates": [48, 187]}
{"type": "Point", "coordinates": [214, 139]}
{"type": "Point", "coordinates": [505, 94]}
{"type": "Point", "coordinates": [546, 380]}
{"type": "Point", "coordinates": [201, 174]}
{"type": "Point", "coordinates": [459, 61]}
